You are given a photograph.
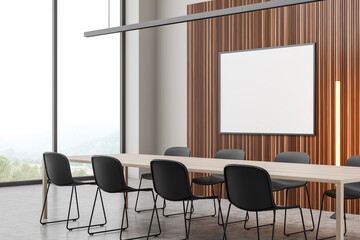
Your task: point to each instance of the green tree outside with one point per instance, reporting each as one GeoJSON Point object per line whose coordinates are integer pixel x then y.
{"type": "Point", "coordinates": [17, 171]}
{"type": "Point", "coordinates": [5, 169]}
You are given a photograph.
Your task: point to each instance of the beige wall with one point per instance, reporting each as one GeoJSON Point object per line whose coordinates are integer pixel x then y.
{"type": "Point", "coordinates": [156, 79]}
{"type": "Point", "coordinates": [171, 77]}
{"type": "Point", "coordinates": [132, 84]}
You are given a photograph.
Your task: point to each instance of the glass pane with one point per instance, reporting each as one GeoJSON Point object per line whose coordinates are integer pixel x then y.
{"type": "Point", "coordinates": [88, 81]}
{"type": "Point", "coordinates": [25, 85]}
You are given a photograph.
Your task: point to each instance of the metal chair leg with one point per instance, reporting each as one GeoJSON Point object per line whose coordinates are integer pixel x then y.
{"type": "Point", "coordinates": [175, 214]}
{"type": "Point", "coordinates": [213, 193]}
{"type": "Point", "coordinates": [137, 196]}
{"type": "Point", "coordinates": [77, 201]}
{"type": "Point", "coordinates": [214, 214]}
{"type": "Point", "coordinates": [103, 208]}
{"type": "Point", "coordinates": [43, 209]}
{"type": "Point", "coordinates": [184, 212]}
{"type": "Point", "coordinates": [345, 221]}
{"type": "Point", "coordinates": [137, 200]}
{"type": "Point", "coordinates": [238, 221]}
{"type": "Point", "coordinates": [127, 222]}
{"type": "Point", "coordinates": [312, 218]}
{"type": "Point", "coordinates": [257, 226]}
{"type": "Point", "coordinates": [68, 219]}
{"type": "Point", "coordinates": [273, 228]}
{"type": "Point", "coordinates": [286, 197]}
{"type": "Point", "coordinates": [303, 223]}
{"type": "Point", "coordinates": [122, 219]}
{"type": "Point", "coordinates": [226, 223]}
{"type": "Point", "coordinates": [188, 236]}
{"type": "Point", "coordinates": [152, 216]}
{"type": "Point", "coordinates": [321, 207]}
{"type": "Point", "coordinates": [318, 228]}
{"type": "Point", "coordinates": [187, 226]}
{"type": "Point", "coordinates": [219, 201]}
{"type": "Point", "coordinates": [249, 228]}
{"type": "Point", "coordinates": [220, 214]}
{"type": "Point", "coordinates": [98, 191]}
{"type": "Point", "coordinates": [77, 207]}
{"type": "Point", "coordinates": [311, 213]}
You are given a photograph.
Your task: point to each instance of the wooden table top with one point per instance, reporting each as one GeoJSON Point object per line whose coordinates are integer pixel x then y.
{"type": "Point", "coordinates": [290, 171]}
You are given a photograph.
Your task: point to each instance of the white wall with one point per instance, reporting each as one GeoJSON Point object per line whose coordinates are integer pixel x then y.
{"type": "Point", "coordinates": [132, 84]}
{"type": "Point", "coordinates": [140, 81]}
{"type": "Point", "coordinates": [156, 79]}
{"type": "Point", "coordinates": [147, 78]}
{"type": "Point", "coordinates": [171, 77]}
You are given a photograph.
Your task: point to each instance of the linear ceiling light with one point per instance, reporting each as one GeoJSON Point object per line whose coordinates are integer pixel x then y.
{"type": "Point", "coordinates": [198, 16]}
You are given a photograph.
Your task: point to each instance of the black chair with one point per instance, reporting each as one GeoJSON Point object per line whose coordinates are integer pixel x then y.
{"type": "Point", "coordinates": [171, 182]}
{"type": "Point", "coordinates": [249, 188]}
{"type": "Point", "coordinates": [211, 180]}
{"type": "Point", "coordinates": [280, 184]}
{"type": "Point", "coordinates": [173, 151]}
{"type": "Point", "coordinates": [109, 176]}
{"type": "Point", "coordinates": [351, 191]}
{"type": "Point", "coordinates": [58, 172]}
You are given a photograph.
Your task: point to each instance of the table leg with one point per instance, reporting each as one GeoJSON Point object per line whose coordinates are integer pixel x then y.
{"type": "Point", "coordinates": [339, 211]}
{"type": "Point", "coordinates": [126, 175]}
{"type": "Point", "coordinates": [44, 188]}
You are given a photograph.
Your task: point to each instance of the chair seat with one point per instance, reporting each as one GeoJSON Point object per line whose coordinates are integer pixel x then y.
{"type": "Point", "coordinates": [195, 197]}
{"type": "Point", "coordinates": [209, 180]}
{"type": "Point", "coordinates": [280, 184]}
{"type": "Point", "coordinates": [147, 176]}
{"type": "Point", "coordinates": [79, 182]}
{"type": "Point", "coordinates": [349, 193]}
{"type": "Point", "coordinates": [130, 189]}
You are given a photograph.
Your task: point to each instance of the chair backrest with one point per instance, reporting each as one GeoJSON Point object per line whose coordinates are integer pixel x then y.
{"type": "Point", "coordinates": [293, 157]}
{"type": "Point", "coordinates": [235, 154]}
{"type": "Point", "coordinates": [178, 151]}
{"type": "Point", "coordinates": [170, 179]}
{"type": "Point", "coordinates": [249, 187]}
{"type": "Point", "coordinates": [108, 173]}
{"type": "Point", "coordinates": [57, 168]}
{"type": "Point", "coordinates": [353, 161]}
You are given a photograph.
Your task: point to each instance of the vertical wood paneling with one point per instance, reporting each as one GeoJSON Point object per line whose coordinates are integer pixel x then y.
{"type": "Point", "coordinates": [350, 87]}
{"type": "Point", "coordinates": [334, 26]}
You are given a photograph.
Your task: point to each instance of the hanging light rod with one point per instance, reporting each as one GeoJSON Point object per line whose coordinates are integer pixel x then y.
{"type": "Point", "coordinates": [198, 16]}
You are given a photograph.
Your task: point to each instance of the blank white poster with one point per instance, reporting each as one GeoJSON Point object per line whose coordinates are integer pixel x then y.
{"type": "Point", "coordinates": [268, 91]}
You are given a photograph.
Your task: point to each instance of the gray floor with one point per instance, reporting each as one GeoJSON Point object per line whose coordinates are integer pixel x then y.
{"type": "Point", "coordinates": [20, 211]}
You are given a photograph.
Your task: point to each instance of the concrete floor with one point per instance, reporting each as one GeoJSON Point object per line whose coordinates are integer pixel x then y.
{"type": "Point", "coordinates": [20, 209]}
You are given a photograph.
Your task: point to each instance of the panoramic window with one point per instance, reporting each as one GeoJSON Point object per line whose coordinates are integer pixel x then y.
{"type": "Point", "coordinates": [88, 84]}
{"type": "Point", "coordinates": [25, 85]}
{"type": "Point", "coordinates": [88, 81]}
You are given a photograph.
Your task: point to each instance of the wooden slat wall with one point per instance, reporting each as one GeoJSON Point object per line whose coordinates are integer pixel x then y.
{"type": "Point", "coordinates": [350, 88]}
{"type": "Point", "coordinates": [333, 25]}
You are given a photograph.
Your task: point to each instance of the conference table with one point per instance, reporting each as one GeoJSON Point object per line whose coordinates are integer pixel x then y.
{"type": "Point", "coordinates": [291, 171]}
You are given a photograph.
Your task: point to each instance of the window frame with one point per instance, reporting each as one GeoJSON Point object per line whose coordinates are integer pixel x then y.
{"type": "Point", "coordinates": [54, 105]}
